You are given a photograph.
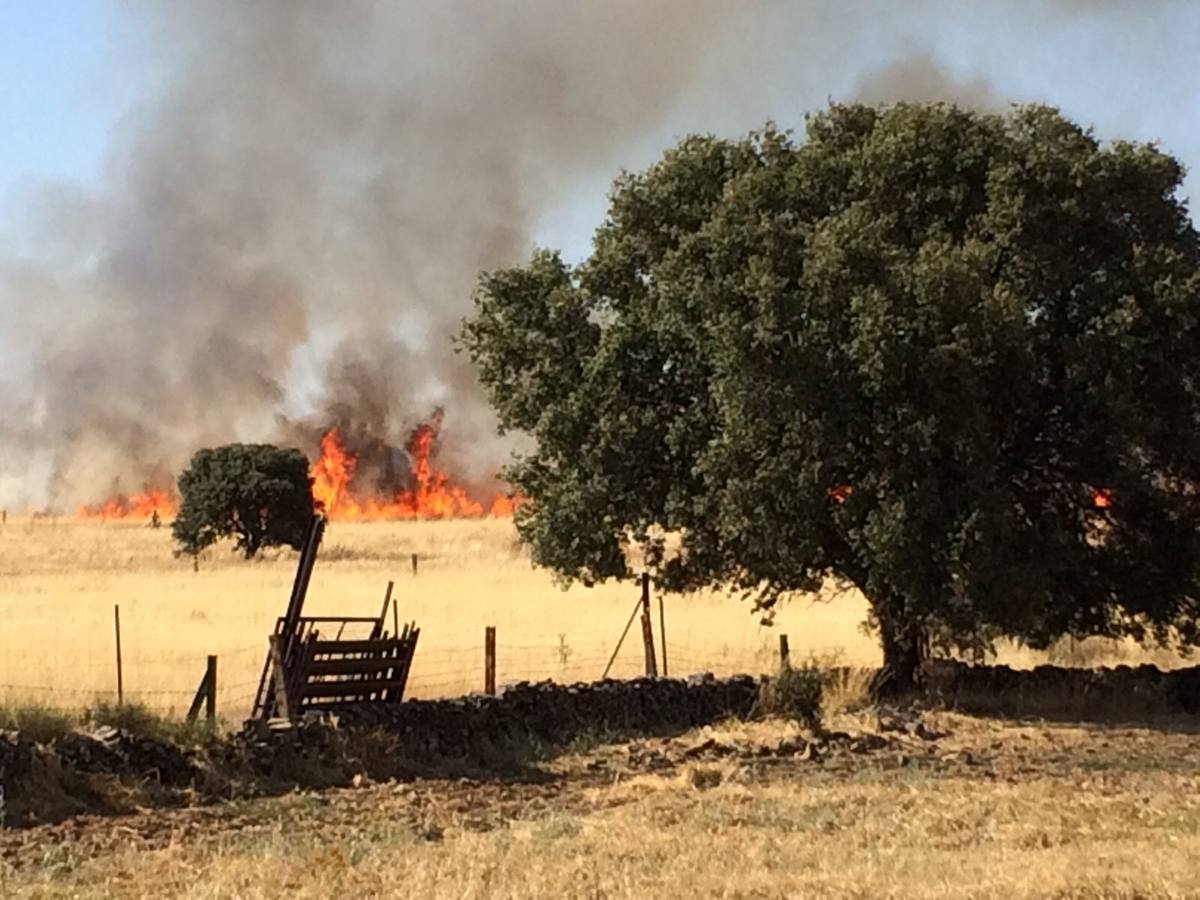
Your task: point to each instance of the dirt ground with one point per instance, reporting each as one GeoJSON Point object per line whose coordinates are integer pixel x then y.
{"type": "Point", "coordinates": [936, 805]}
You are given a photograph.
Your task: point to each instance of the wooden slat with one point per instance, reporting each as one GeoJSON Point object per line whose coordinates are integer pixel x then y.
{"type": "Point", "coordinates": [327, 705]}
{"type": "Point", "coordinates": [411, 633]}
{"type": "Point", "coordinates": [352, 666]}
{"type": "Point", "coordinates": [348, 688]}
{"type": "Point", "coordinates": [381, 622]}
{"type": "Point", "coordinates": [388, 645]}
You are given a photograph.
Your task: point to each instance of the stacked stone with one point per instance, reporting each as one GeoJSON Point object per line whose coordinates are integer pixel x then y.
{"type": "Point", "coordinates": [114, 751]}
{"type": "Point", "coordinates": [551, 713]}
{"type": "Point", "coordinates": [1175, 690]}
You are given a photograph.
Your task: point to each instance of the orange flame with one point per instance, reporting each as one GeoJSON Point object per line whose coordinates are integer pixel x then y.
{"type": "Point", "coordinates": [133, 506]}
{"type": "Point", "coordinates": [332, 473]}
{"type": "Point", "coordinates": [432, 494]}
{"type": "Point", "coordinates": [840, 494]}
{"type": "Point", "coordinates": [1102, 498]}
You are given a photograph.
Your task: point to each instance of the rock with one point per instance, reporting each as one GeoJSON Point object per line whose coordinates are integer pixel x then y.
{"type": "Point", "coordinates": [699, 749]}
{"type": "Point", "coordinates": [924, 732]}
{"type": "Point", "coordinates": [867, 743]}
{"type": "Point", "coordinates": [792, 747]}
{"type": "Point", "coordinates": [703, 778]}
{"type": "Point", "coordinates": [551, 713]}
{"type": "Point", "coordinates": [107, 735]}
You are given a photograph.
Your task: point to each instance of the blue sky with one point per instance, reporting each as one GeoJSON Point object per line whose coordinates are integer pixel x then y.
{"type": "Point", "coordinates": [62, 87]}
{"type": "Point", "coordinates": [69, 69]}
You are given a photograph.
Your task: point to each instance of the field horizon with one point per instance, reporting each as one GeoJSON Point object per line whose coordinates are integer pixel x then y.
{"type": "Point", "coordinates": [60, 579]}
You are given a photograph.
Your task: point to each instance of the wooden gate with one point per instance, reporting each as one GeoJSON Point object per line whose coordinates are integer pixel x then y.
{"type": "Point", "coordinates": [312, 664]}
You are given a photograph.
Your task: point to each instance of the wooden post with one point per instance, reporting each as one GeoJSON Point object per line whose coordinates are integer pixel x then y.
{"type": "Point", "coordinates": [304, 570]}
{"type": "Point", "coordinates": [648, 628]}
{"type": "Point", "coordinates": [785, 658]}
{"type": "Point", "coordinates": [3, 516]}
{"type": "Point", "coordinates": [377, 631]}
{"type": "Point", "coordinates": [617, 649]}
{"type": "Point", "coordinates": [279, 678]}
{"type": "Point", "coordinates": [210, 704]}
{"type": "Point", "coordinates": [206, 693]}
{"type": "Point", "coordinates": [489, 660]}
{"type": "Point", "coordinates": [120, 673]}
{"type": "Point", "coordinates": [414, 563]}
{"type": "Point", "coordinates": [662, 630]}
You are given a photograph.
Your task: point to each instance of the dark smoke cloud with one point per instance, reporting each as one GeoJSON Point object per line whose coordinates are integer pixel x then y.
{"type": "Point", "coordinates": [315, 173]}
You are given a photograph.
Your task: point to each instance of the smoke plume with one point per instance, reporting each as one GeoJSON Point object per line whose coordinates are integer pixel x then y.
{"type": "Point", "coordinates": [321, 175]}
{"type": "Point", "coordinates": [920, 79]}
{"type": "Point", "coordinates": [287, 230]}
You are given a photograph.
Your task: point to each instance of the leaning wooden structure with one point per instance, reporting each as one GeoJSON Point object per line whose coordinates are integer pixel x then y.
{"type": "Point", "coordinates": [319, 663]}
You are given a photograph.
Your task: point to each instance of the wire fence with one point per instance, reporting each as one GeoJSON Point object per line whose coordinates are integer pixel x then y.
{"type": "Point", "coordinates": [447, 663]}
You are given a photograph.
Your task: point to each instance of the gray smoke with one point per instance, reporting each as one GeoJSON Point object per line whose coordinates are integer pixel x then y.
{"type": "Point", "coordinates": [288, 229]}
{"type": "Point", "coordinates": [323, 174]}
{"type": "Point", "coordinates": [920, 79]}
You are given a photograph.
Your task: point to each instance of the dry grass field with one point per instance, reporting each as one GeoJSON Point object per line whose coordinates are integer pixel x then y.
{"type": "Point", "coordinates": [60, 579]}
{"type": "Point", "coordinates": [1012, 808]}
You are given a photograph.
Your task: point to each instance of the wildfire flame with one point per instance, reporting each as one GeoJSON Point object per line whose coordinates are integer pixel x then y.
{"type": "Point", "coordinates": [431, 495]}
{"type": "Point", "coordinates": [133, 506]}
{"type": "Point", "coordinates": [840, 493]}
{"type": "Point", "coordinates": [332, 473]}
{"type": "Point", "coordinates": [1101, 497]}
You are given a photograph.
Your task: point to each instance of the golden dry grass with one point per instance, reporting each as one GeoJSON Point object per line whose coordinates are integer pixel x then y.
{"type": "Point", "coordinates": [60, 579]}
{"type": "Point", "coordinates": [862, 841]}
{"type": "Point", "coordinates": [1013, 809]}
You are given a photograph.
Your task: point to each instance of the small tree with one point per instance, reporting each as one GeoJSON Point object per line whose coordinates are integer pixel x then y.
{"type": "Point", "coordinates": [948, 357]}
{"type": "Point", "coordinates": [257, 493]}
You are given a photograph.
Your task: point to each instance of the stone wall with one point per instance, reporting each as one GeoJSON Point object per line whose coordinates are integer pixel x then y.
{"type": "Point", "coordinates": [550, 713]}
{"type": "Point", "coordinates": [1120, 689]}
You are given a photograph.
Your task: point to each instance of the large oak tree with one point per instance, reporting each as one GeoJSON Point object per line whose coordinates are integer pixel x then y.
{"type": "Point", "coordinates": [948, 357]}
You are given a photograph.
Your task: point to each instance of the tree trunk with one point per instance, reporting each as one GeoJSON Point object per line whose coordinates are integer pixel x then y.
{"type": "Point", "coordinates": [904, 641]}
{"type": "Point", "coordinates": [903, 653]}
{"type": "Point", "coordinates": [904, 645]}
{"type": "Point", "coordinates": [250, 544]}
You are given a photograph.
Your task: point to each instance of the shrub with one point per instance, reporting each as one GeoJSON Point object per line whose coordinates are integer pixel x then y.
{"type": "Point", "coordinates": [35, 722]}
{"type": "Point", "coordinates": [137, 719]}
{"type": "Point", "coordinates": [794, 693]}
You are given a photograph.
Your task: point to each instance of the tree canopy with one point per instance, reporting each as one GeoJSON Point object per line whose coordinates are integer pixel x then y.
{"type": "Point", "coordinates": [258, 494]}
{"type": "Point", "coordinates": [948, 357]}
